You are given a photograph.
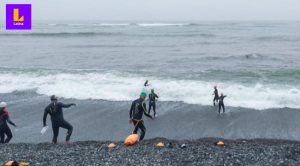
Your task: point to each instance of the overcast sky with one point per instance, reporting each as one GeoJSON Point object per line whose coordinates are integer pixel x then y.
{"type": "Point", "coordinates": [160, 10]}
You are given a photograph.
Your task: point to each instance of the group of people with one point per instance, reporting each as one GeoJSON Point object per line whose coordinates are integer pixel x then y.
{"type": "Point", "coordinates": [54, 109]}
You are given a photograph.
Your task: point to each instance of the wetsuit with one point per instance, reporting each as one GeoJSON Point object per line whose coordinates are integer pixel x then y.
{"type": "Point", "coordinates": [146, 83]}
{"type": "Point", "coordinates": [216, 96]}
{"type": "Point", "coordinates": [152, 102]}
{"type": "Point", "coordinates": [57, 119]}
{"type": "Point", "coordinates": [138, 108]}
{"type": "Point", "coordinates": [221, 103]}
{"type": "Point", "coordinates": [4, 129]}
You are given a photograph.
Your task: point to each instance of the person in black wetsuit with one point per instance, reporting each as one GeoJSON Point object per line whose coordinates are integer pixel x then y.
{"type": "Point", "coordinates": [4, 129]}
{"type": "Point", "coordinates": [152, 97]}
{"type": "Point", "coordinates": [138, 108]}
{"type": "Point", "coordinates": [221, 103]}
{"type": "Point", "coordinates": [57, 118]}
{"type": "Point", "coordinates": [146, 83]}
{"type": "Point", "coordinates": [216, 98]}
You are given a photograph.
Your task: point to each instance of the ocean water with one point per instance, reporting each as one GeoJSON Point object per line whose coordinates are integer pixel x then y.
{"type": "Point", "coordinates": [103, 66]}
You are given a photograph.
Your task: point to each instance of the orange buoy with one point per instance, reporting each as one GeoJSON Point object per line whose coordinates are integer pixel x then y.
{"type": "Point", "coordinates": [9, 163]}
{"type": "Point", "coordinates": [160, 144]}
{"type": "Point", "coordinates": [220, 143]}
{"type": "Point", "coordinates": [131, 139]}
{"type": "Point", "coordinates": [112, 145]}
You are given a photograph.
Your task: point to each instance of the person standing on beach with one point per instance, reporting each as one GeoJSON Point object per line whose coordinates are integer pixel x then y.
{"type": "Point", "coordinates": [152, 97]}
{"type": "Point", "coordinates": [138, 108]}
{"type": "Point", "coordinates": [221, 103]}
{"type": "Point", "coordinates": [216, 98]}
{"type": "Point", "coordinates": [146, 83]}
{"type": "Point", "coordinates": [57, 118]}
{"type": "Point", "coordinates": [4, 129]}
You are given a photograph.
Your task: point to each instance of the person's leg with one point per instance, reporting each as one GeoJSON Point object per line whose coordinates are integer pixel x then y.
{"type": "Point", "coordinates": [1, 136]}
{"type": "Point", "coordinates": [154, 109]}
{"type": "Point", "coordinates": [223, 108]}
{"type": "Point", "coordinates": [55, 129]}
{"type": "Point", "coordinates": [150, 105]}
{"type": "Point", "coordinates": [8, 134]}
{"type": "Point", "coordinates": [214, 100]}
{"type": "Point", "coordinates": [143, 129]}
{"type": "Point", "coordinates": [219, 107]}
{"type": "Point", "coordinates": [67, 125]}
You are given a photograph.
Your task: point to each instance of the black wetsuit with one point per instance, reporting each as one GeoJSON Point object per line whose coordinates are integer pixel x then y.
{"type": "Point", "coordinates": [146, 83]}
{"type": "Point", "coordinates": [4, 129]}
{"type": "Point", "coordinates": [152, 102]}
{"type": "Point", "coordinates": [138, 108]}
{"type": "Point", "coordinates": [216, 96]}
{"type": "Point", "coordinates": [57, 119]}
{"type": "Point", "coordinates": [221, 103]}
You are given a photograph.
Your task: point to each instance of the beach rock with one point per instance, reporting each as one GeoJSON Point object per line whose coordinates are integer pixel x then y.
{"type": "Point", "coordinates": [198, 152]}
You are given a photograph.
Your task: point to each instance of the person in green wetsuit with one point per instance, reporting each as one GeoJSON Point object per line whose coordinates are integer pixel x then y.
{"type": "Point", "coordinates": [137, 109]}
{"type": "Point", "coordinates": [152, 97]}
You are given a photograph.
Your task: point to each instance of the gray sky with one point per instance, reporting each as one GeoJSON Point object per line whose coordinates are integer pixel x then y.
{"type": "Point", "coordinates": [161, 10]}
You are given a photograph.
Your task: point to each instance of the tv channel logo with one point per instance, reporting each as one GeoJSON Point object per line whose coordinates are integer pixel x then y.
{"type": "Point", "coordinates": [18, 16]}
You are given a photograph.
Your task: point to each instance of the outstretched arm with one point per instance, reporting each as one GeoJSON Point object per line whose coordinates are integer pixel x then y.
{"type": "Point", "coordinates": [10, 122]}
{"type": "Point", "coordinates": [65, 105]}
{"type": "Point", "coordinates": [156, 96]}
{"type": "Point", "coordinates": [145, 110]}
{"type": "Point", "coordinates": [130, 111]}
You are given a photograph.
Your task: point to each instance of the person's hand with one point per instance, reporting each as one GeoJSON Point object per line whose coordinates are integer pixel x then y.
{"type": "Point", "coordinates": [74, 104]}
{"type": "Point", "coordinates": [152, 117]}
{"type": "Point", "coordinates": [130, 121]}
{"type": "Point", "coordinates": [15, 125]}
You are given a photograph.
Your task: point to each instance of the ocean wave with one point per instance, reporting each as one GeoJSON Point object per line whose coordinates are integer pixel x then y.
{"type": "Point", "coordinates": [129, 24]}
{"type": "Point", "coordinates": [108, 24]}
{"type": "Point", "coordinates": [178, 35]}
{"type": "Point", "coordinates": [279, 38]}
{"type": "Point", "coordinates": [122, 86]}
{"type": "Point", "coordinates": [60, 34]}
{"type": "Point", "coordinates": [160, 24]}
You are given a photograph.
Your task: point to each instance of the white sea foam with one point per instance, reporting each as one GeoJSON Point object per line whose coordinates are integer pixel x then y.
{"type": "Point", "coordinates": [117, 87]}
{"type": "Point", "coordinates": [160, 24]}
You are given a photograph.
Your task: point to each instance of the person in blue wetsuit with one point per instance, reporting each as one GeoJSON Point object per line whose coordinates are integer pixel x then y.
{"type": "Point", "coordinates": [221, 103]}
{"type": "Point", "coordinates": [57, 118]}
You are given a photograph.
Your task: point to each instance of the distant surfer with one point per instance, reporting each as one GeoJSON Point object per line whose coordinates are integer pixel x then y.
{"type": "Point", "coordinates": [216, 98]}
{"type": "Point", "coordinates": [138, 108]}
{"type": "Point", "coordinates": [152, 97]}
{"type": "Point", "coordinates": [221, 103]}
{"type": "Point", "coordinates": [57, 118]}
{"type": "Point", "coordinates": [146, 83]}
{"type": "Point", "coordinates": [4, 129]}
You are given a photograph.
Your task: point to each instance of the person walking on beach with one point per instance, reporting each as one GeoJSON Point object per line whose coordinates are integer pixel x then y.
{"type": "Point", "coordinates": [4, 129]}
{"type": "Point", "coordinates": [146, 83]}
{"type": "Point", "coordinates": [57, 118]}
{"type": "Point", "coordinates": [216, 98]}
{"type": "Point", "coordinates": [138, 108]}
{"type": "Point", "coordinates": [221, 103]}
{"type": "Point", "coordinates": [152, 97]}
